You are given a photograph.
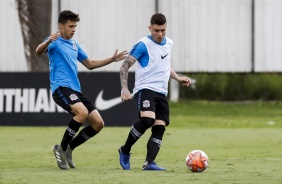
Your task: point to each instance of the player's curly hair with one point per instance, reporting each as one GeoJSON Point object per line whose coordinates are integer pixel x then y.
{"type": "Point", "coordinates": [68, 15]}
{"type": "Point", "coordinates": [158, 18]}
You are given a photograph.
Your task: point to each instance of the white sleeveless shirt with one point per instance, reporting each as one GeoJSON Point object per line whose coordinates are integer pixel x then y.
{"type": "Point", "coordinates": [155, 75]}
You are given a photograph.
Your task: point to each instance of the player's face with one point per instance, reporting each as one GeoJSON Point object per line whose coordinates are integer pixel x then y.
{"type": "Point", "coordinates": [67, 30]}
{"type": "Point", "coordinates": [158, 32]}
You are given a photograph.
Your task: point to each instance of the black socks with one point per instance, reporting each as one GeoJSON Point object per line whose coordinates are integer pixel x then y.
{"type": "Point", "coordinates": [136, 131]}
{"type": "Point", "coordinates": [154, 143]}
{"type": "Point", "coordinates": [70, 132]}
{"type": "Point", "coordinates": [85, 134]}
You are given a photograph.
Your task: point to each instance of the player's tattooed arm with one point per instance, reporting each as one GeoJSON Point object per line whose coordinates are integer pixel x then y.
{"type": "Point", "coordinates": [127, 63]}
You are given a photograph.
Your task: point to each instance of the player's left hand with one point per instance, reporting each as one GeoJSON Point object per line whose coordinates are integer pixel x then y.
{"type": "Point", "coordinates": [185, 81]}
{"type": "Point", "coordinates": [119, 56]}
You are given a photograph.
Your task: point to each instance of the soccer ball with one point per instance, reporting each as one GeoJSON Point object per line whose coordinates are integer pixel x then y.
{"type": "Point", "coordinates": [197, 161]}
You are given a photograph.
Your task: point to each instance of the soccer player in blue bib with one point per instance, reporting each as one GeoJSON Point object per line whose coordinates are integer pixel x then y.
{"type": "Point", "coordinates": [63, 53]}
{"type": "Point", "coordinates": [152, 54]}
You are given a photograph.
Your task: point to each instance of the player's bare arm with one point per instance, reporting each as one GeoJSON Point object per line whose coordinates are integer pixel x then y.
{"type": "Point", "coordinates": [92, 64]}
{"type": "Point", "coordinates": [127, 63]}
{"type": "Point", "coordinates": [43, 46]}
{"type": "Point", "coordinates": [182, 79]}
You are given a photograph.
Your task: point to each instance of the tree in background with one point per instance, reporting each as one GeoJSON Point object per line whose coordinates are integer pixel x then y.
{"type": "Point", "coordinates": [35, 20]}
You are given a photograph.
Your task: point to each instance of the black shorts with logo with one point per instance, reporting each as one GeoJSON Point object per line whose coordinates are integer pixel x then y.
{"type": "Point", "coordinates": [148, 100]}
{"type": "Point", "coordinates": [65, 97]}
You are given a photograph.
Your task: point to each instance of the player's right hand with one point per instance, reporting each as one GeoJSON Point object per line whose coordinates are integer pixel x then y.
{"type": "Point", "coordinates": [54, 36]}
{"type": "Point", "coordinates": [125, 94]}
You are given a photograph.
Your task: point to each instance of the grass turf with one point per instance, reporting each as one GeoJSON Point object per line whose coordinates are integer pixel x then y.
{"type": "Point", "coordinates": [243, 147]}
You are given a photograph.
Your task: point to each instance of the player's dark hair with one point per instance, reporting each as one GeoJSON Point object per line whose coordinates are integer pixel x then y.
{"type": "Point", "coordinates": [68, 15]}
{"type": "Point", "coordinates": [158, 18]}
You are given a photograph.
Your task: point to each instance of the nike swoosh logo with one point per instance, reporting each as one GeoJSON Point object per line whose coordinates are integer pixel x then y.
{"type": "Point", "coordinates": [102, 104]}
{"type": "Point", "coordinates": [163, 56]}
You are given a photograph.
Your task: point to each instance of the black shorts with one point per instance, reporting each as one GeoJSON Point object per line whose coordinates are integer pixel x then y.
{"type": "Point", "coordinates": [65, 97]}
{"type": "Point", "coordinates": [148, 100]}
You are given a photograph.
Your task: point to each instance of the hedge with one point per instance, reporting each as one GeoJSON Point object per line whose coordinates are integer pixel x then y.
{"type": "Point", "coordinates": [234, 87]}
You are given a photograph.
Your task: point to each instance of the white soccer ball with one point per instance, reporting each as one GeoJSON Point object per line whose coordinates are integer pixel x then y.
{"type": "Point", "coordinates": [197, 161]}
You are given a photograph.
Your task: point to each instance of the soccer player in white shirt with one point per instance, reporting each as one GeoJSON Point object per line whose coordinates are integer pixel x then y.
{"type": "Point", "coordinates": [153, 54]}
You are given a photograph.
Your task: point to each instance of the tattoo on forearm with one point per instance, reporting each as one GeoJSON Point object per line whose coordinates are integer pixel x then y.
{"type": "Point", "coordinates": [128, 62]}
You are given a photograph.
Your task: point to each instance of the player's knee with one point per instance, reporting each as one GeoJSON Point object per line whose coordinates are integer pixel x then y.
{"type": "Point", "coordinates": [99, 125]}
{"type": "Point", "coordinates": [139, 128]}
{"type": "Point", "coordinates": [158, 131]}
{"type": "Point", "coordinates": [81, 115]}
{"type": "Point", "coordinates": [147, 122]}
{"type": "Point", "coordinates": [96, 121]}
{"type": "Point", "coordinates": [144, 123]}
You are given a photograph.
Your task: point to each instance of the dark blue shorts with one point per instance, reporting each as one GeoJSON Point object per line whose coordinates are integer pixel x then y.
{"type": "Point", "coordinates": [65, 97]}
{"type": "Point", "coordinates": [148, 100]}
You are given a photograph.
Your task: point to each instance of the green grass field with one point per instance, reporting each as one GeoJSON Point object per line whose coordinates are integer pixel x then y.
{"type": "Point", "coordinates": [243, 142]}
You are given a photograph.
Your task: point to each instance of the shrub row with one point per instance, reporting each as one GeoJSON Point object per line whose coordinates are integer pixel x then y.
{"type": "Point", "coordinates": [234, 87]}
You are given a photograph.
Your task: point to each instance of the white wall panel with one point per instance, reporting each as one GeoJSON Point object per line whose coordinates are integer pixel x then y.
{"type": "Point", "coordinates": [12, 56]}
{"type": "Point", "coordinates": [107, 25]}
{"type": "Point", "coordinates": [268, 36]}
{"type": "Point", "coordinates": [209, 35]}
